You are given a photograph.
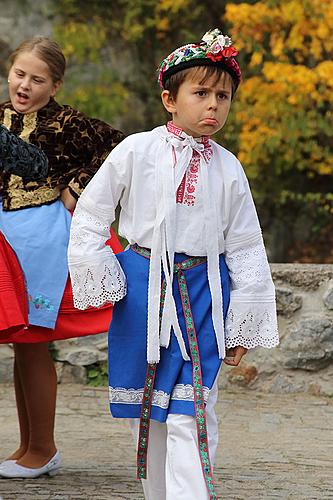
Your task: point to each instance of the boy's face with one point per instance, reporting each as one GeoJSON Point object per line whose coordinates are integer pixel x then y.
{"type": "Point", "coordinates": [200, 109]}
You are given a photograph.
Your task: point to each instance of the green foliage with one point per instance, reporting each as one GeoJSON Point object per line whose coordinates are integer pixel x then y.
{"type": "Point", "coordinates": [97, 374]}
{"type": "Point", "coordinates": [104, 97]}
{"type": "Point", "coordinates": [82, 41]}
{"type": "Point", "coordinates": [128, 38]}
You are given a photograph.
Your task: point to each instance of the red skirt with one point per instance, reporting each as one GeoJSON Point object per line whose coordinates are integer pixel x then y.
{"type": "Point", "coordinates": [13, 295]}
{"type": "Point", "coordinates": [70, 323]}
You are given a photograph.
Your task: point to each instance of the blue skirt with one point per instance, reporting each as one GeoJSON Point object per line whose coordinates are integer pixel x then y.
{"type": "Point", "coordinates": [173, 388]}
{"type": "Point", "coordinates": [39, 236]}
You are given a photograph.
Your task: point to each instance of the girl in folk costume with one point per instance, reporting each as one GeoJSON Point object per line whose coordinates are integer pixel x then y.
{"type": "Point", "coordinates": [35, 218]}
{"type": "Point", "coordinates": [194, 288]}
{"type": "Point", "coordinates": [28, 161]}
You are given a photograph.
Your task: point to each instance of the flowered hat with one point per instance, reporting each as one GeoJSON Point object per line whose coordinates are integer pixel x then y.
{"type": "Point", "coordinates": [215, 49]}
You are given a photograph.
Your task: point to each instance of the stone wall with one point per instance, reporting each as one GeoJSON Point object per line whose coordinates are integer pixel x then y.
{"type": "Point", "coordinates": [303, 362]}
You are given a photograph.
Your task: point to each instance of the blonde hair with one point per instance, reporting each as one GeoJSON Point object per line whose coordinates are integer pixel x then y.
{"type": "Point", "coordinates": [48, 51]}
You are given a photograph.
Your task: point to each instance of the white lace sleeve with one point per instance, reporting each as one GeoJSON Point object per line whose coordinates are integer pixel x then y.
{"type": "Point", "coordinates": [95, 272]}
{"type": "Point", "coordinates": [251, 319]}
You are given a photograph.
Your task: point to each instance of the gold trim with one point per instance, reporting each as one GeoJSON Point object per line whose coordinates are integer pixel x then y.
{"type": "Point", "coordinates": [7, 117]}
{"type": "Point", "coordinates": [29, 122]}
{"type": "Point", "coordinates": [18, 197]}
{"type": "Point", "coordinates": [29, 125]}
{"type": "Point", "coordinates": [75, 186]}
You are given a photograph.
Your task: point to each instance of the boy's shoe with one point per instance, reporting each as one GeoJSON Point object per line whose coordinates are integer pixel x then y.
{"type": "Point", "coordinates": [11, 469]}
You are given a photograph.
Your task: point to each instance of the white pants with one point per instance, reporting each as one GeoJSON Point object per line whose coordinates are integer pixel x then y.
{"type": "Point", "coordinates": [173, 468]}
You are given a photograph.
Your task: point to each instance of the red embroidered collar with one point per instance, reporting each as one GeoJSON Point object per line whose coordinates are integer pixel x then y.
{"type": "Point", "coordinates": [173, 129]}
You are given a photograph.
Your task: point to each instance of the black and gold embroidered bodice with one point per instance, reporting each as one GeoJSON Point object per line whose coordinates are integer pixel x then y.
{"type": "Point", "coordinates": [20, 158]}
{"type": "Point", "coordinates": [74, 144]}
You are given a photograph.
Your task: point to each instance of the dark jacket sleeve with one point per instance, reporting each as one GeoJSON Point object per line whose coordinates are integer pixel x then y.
{"type": "Point", "coordinates": [20, 158]}
{"type": "Point", "coordinates": [98, 140]}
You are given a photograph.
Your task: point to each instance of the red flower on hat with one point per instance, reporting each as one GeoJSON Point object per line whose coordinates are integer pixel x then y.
{"type": "Point", "coordinates": [229, 52]}
{"type": "Point", "coordinates": [226, 52]}
{"type": "Point", "coordinates": [215, 57]}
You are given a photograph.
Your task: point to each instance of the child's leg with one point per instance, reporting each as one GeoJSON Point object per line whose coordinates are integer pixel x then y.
{"type": "Point", "coordinates": [22, 417]}
{"type": "Point", "coordinates": [174, 468]}
{"type": "Point", "coordinates": [38, 381]}
{"type": "Point", "coordinates": [184, 476]}
{"type": "Point", "coordinates": [154, 485]}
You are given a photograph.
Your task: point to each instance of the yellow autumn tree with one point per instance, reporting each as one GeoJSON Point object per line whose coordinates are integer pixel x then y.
{"type": "Point", "coordinates": [283, 119]}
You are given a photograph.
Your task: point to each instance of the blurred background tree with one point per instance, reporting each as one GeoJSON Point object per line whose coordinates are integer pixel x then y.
{"type": "Point", "coordinates": [283, 117]}
{"type": "Point", "coordinates": [118, 45]}
{"type": "Point", "coordinates": [280, 125]}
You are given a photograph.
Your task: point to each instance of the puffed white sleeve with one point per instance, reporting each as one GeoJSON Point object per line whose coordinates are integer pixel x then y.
{"type": "Point", "coordinates": [251, 320]}
{"type": "Point", "coordinates": [96, 275]}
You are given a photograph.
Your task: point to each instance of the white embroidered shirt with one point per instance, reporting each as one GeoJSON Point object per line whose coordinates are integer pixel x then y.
{"type": "Point", "coordinates": [176, 194]}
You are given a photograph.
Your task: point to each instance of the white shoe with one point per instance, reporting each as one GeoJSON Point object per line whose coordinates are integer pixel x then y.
{"type": "Point", "coordinates": [5, 462]}
{"type": "Point", "coordinates": [12, 469]}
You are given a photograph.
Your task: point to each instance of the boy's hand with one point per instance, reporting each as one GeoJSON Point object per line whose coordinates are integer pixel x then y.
{"type": "Point", "coordinates": [68, 200]}
{"type": "Point", "coordinates": [234, 355]}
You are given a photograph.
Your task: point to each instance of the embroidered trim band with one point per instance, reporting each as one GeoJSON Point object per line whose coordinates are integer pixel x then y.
{"type": "Point", "coordinates": [181, 392]}
{"type": "Point", "coordinates": [199, 403]}
{"type": "Point", "coordinates": [145, 422]}
{"type": "Point", "coordinates": [214, 49]}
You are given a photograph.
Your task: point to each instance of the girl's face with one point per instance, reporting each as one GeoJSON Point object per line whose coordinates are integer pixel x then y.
{"type": "Point", "coordinates": [30, 84]}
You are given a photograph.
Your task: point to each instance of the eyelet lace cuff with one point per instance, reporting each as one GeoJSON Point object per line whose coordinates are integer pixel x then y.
{"type": "Point", "coordinates": [96, 275]}
{"type": "Point", "coordinates": [248, 265]}
{"type": "Point", "coordinates": [251, 325]}
{"type": "Point", "coordinates": [251, 319]}
{"type": "Point", "coordinates": [96, 284]}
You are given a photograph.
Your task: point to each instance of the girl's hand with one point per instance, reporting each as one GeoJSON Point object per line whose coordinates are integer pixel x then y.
{"type": "Point", "coordinates": [234, 355]}
{"type": "Point", "coordinates": [68, 199]}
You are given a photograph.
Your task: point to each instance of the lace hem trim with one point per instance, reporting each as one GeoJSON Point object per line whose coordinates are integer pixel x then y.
{"type": "Point", "coordinates": [98, 284]}
{"type": "Point", "coordinates": [252, 343]}
{"type": "Point", "coordinates": [181, 392]}
{"type": "Point", "coordinates": [252, 325]}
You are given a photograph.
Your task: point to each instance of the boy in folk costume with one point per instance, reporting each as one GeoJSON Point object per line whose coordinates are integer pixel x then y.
{"type": "Point", "coordinates": [194, 287]}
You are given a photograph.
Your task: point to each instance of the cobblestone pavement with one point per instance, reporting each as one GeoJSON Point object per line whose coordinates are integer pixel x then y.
{"type": "Point", "coordinates": [271, 447]}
